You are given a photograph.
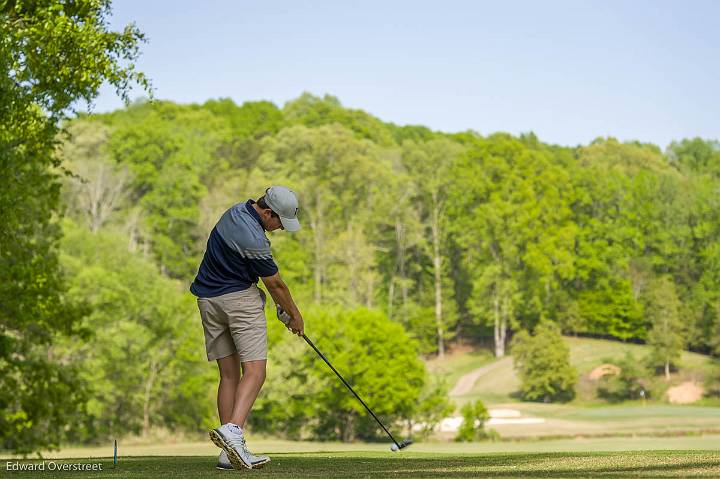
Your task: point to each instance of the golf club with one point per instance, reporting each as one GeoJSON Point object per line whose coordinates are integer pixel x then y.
{"type": "Point", "coordinates": [285, 319]}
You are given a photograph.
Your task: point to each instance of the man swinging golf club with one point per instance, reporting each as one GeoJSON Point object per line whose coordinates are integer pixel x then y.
{"type": "Point", "coordinates": [232, 309]}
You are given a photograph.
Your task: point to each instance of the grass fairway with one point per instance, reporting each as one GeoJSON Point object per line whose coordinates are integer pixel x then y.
{"type": "Point", "coordinates": [414, 465]}
{"type": "Point", "coordinates": [500, 383]}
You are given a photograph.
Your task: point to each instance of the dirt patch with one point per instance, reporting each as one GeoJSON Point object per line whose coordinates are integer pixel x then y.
{"type": "Point", "coordinates": [604, 370]}
{"type": "Point", "coordinates": [459, 349]}
{"type": "Point", "coordinates": [685, 393]}
{"type": "Point", "coordinates": [450, 356]}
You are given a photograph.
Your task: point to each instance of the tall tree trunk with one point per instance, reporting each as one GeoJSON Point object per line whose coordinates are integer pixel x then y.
{"type": "Point", "coordinates": [353, 269]}
{"type": "Point", "coordinates": [399, 270]}
{"type": "Point", "coordinates": [496, 322]}
{"type": "Point", "coordinates": [667, 369]}
{"type": "Point", "coordinates": [391, 296]}
{"type": "Point", "coordinates": [133, 229]}
{"type": "Point", "coordinates": [132, 241]}
{"type": "Point", "coordinates": [95, 196]}
{"type": "Point", "coordinates": [317, 226]}
{"type": "Point", "coordinates": [401, 239]}
{"type": "Point", "coordinates": [348, 431]}
{"type": "Point", "coordinates": [101, 194]}
{"type": "Point", "coordinates": [499, 328]}
{"type": "Point", "coordinates": [404, 295]}
{"type": "Point", "coordinates": [152, 376]}
{"type": "Point", "coordinates": [370, 290]}
{"type": "Point", "coordinates": [437, 264]}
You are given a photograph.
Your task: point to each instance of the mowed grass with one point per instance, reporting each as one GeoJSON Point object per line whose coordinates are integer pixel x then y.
{"type": "Point", "coordinates": [272, 447]}
{"type": "Point", "coordinates": [587, 415]}
{"type": "Point", "coordinates": [414, 465]}
{"type": "Point", "coordinates": [586, 354]}
{"type": "Point", "coordinates": [621, 420]}
{"type": "Point", "coordinates": [457, 363]}
{"type": "Point", "coordinates": [501, 383]}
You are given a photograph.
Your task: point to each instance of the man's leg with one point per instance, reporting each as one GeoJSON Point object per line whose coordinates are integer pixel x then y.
{"type": "Point", "coordinates": [248, 388]}
{"type": "Point", "coordinates": [229, 437]}
{"type": "Point", "coordinates": [248, 327]}
{"type": "Point", "coordinates": [229, 367]}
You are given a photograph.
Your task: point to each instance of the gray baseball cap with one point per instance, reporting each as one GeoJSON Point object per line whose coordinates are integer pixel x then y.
{"type": "Point", "coordinates": [284, 202]}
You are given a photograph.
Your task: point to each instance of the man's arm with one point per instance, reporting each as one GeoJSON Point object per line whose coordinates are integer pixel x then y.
{"type": "Point", "coordinates": [281, 295]}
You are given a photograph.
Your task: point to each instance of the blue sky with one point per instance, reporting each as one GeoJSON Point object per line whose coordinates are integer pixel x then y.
{"type": "Point", "coordinates": [568, 70]}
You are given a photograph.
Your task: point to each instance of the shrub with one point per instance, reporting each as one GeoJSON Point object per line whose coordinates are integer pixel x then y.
{"type": "Point", "coordinates": [543, 364]}
{"type": "Point", "coordinates": [628, 384]}
{"type": "Point", "coordinates": [434, 405]}
{"type": "Point", "coordinates": [473, 425]}
{"type": "Point", "coordinates": [303, 397]}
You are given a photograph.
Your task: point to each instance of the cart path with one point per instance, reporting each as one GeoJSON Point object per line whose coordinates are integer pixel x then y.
{"type": "Point", "coordinates": [467, 381]}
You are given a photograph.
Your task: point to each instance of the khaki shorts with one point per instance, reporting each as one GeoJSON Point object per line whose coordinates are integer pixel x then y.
{"type": "Point", "coordinates": [235, 323]}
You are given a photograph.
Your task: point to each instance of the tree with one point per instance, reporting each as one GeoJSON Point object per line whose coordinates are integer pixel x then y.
{"type": "Point", "coordinates": [701, 275]}
{"type": "Point", "coordinates": [496, 294]}
{"type": "Point", "coordinates": [386, 373]}
{"type": "Point", "coordinates": [430, 166]}
{"type": "Point", "coordinates": [175, 153]}
{"type": "Point", "coordinates": [696, 155]}
{"type": "Point", "coordinates": [434, 406]}
{"type": "Point", "coordinates": [339, 180]}
{"type": "Point", "coordinates": [147, 357]}
{"type": "Point", "coordinates": [474, 414]}
{"type": "Point", "coordinates": [97, 186]}
{"type": "Point", "coordinates": [515, 224]}
{"type": "Point", "coordinates": [404, 234]}
{"type": "Point", "coordinates": [372, 353]}
{"type": "Point", "coordinates": [629, 383]}
{"type": "Point", "coordinates": [543, 364]}
{"type": "Point", "coordinates": [312, 111]}
{"type": "Point", "coordinates": [52, 54]}
{"type": "Point", "coordinates": [666, 335]}
{"type": "Point", "coordinates": [255, 119]}
{"type": "Point", "coordinates": [626, 229]}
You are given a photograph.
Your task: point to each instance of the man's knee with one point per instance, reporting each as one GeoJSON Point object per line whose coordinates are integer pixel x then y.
{"type": "Point", "coordinates": [261, 377]}
{"type": "Point", "coordinates": [230, 376]}
{"type": "Point", "coordinates": [255, 370]}
{"type": "Point", "coordinates": [229, 368]}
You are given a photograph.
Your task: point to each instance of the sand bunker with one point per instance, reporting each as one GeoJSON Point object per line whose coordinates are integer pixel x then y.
{"type": "Point", "coordinates": [685, 393]}
{"type": "Point", "coordinates": [604, 370]}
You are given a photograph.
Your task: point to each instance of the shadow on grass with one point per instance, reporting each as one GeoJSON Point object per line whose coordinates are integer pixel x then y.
{"type": "Point", "coordinates": [322, 465]}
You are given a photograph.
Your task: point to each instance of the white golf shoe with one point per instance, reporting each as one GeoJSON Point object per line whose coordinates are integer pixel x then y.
{"type": "Point", "coordinates": [230, 439]}
{"type": "Point", "coordinates": [224, 463]}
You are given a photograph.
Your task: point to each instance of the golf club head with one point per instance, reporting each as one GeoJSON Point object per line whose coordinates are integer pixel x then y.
{"type": "Point", "coordinates": [405, 443]}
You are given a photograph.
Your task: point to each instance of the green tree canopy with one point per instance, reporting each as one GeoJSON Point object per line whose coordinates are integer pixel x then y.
{"type": "Point", "coordinates": [373, 354]}
{"type": "Point", "coordinates": [667, 330]}
{"type": "Point", "coordinates": [52, 55]}
{"type": "Point", "coordinates": [146, 365]}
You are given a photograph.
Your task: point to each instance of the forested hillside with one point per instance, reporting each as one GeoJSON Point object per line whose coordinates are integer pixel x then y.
{"type": "Point", "coordinates": [448, 234]}
{"type": "Point", "coordinates": [412, 239]}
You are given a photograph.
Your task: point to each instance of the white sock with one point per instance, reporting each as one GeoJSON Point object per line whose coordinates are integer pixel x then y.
{"type": "Point", "coordinates": [233, 427]}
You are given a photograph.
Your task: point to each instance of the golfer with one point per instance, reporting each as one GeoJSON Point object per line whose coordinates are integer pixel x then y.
{"type": "Point", "coordinates": [232, 309]}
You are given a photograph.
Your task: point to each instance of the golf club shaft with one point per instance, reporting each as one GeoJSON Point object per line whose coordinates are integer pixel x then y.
{"type": "Point", "coordinates": [351, 389]}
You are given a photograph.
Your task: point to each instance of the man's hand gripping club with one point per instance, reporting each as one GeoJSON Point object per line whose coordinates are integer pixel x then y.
{"type": "Point", "coordinates": [281, 295]}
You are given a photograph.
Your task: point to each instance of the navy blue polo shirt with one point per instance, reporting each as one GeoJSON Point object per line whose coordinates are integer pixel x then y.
{"type": "Point", "coordinates": [237, 254]}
